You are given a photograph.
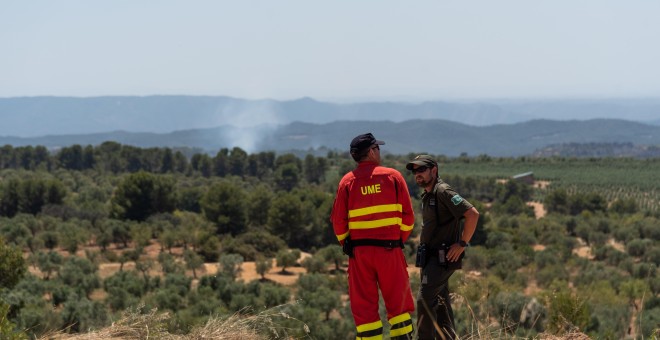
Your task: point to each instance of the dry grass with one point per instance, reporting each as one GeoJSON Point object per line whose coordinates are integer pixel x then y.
{"type": "Point", "coordinates": [485, 327]}
{"type": "Point", "coordinates": [135, 325]}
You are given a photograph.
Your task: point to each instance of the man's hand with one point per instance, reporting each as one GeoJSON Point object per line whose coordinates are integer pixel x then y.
{"type": "Point", "coordinates": [454, 252]}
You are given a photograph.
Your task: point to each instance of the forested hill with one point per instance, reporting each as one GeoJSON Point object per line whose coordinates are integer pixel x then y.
{"type": "Point", "coordinates": [433, 136]}
{"type": "Point", "coordinates": [40, 116]}
{"type": "Point", "coordinates": [453, 139]}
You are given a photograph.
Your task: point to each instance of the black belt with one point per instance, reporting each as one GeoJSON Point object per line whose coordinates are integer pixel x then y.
{"type": "Point", "coordinates": [377, 243]}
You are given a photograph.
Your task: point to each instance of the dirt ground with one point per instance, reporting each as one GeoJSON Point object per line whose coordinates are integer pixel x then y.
{"type": "Point", "coordinates": [539, 209]}
{"type": "Point", "coordinates": [541, 184]}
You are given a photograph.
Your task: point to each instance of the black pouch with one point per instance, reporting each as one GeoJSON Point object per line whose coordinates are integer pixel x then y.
{"type": "Point", "coordinates": [420, 261]}
{"type": "Point", "coordinates": [348, 247]}
{"type": "Point", "coordinates": [442, 256]}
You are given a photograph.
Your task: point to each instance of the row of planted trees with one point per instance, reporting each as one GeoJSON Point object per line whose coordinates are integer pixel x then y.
{"type": "Point", "coordinates": [271, 203]}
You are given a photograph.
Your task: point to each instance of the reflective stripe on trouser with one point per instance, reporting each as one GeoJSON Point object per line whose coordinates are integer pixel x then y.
{"type": "Point", "coordinates": [370, 331]}
{"type": "Point", "coordinates": [401, 326]}
{"type": "Point", "coordinates": [373, 268]}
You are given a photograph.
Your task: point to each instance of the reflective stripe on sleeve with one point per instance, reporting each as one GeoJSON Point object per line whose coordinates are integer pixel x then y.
{"type": "Point", "coordinates": [406, 227]}
{"type": "Point", "coordinates": [342, 236]}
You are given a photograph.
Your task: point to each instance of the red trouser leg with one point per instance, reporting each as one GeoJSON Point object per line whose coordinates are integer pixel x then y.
{"type": "Point", "coordinates": [374, 267]}
{"type": "Point", "coordinates": [363, 286]}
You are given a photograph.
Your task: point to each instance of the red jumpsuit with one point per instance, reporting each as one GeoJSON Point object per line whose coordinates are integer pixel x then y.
{"type": "Point", "coordinates": [373, 202]}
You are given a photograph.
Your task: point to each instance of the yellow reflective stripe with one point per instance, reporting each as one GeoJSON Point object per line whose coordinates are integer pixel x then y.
{"type": "Point", "coordinates": [401, 331]}
{"type": "Point", "coordinates": [375, 209]}
{"type": "Point", "coordinates": [399, 318]}
{"type": "Point", "coordinates": [370, 326]}
{"type": "Point", "coordinates": [406, 227]}
{"type": "Point", "coordinates": [385, 222]}
{"type": "Point", "coordinates": [375, 337]}
{"type": "Point", "coordinates": [342, 236]}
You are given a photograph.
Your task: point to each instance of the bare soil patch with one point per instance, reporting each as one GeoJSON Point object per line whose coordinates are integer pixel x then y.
{"type": "Point", "coordinates": [583, 250]}
{"type": "Point", "coordinates": [539, 209]}
{"type": "Point", "coordinates": [538, 247]}
{"type": "Point", "coordinates": [617, 245]}
{"type": "Point", "coordinates": [541, 184]}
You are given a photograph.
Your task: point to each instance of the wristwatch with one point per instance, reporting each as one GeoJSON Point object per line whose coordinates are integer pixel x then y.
{"type": "Point", "coordinates": [462, 243]}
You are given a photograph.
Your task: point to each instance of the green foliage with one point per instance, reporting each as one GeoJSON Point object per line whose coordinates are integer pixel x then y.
{"type": "Point", "coordinates": [314, 169]}
{"type": "Point", "coordinates": [230, 265]}
{"type": "Point", "coordinates": [567, 312]}
{"type": "Point", "coordinates": [514, 205]}
{"type": "Point", "coordinates": [559, 201]}
{"type": "Point", "coordinates": [193, 261]}
{"type": "Point", "coordinates": [285, 202]}
{"type": "Point", "coordinates": [624, 206]}
{"type": "Point", "coordinates": [333, 254]}
{"type": "Point", "coordinates": [169, 264]}
{"type": "Point", "coordinates": [188, 199]}
{"type": "Point", "coordinates": [287, 176]}
{"type": "Point", "coordinates": [508, 307]}
{"type": "Point", "coordinates": [209, 248]}
{"type": "Point", "coordinates": [80, 314]}
{"type": "Point", "coordinates": [12, 265]}
{"type": "Point", "coordinates": [315, 292]}
{"type": "Point", "coordinates": [7, 328]}
{"type": "Point", "coordinates": [285, 218]}
{"type": "Point", "coordinates": [259, 202]}
{"type": "Point", "coordinates": [263, 265]}
{"type": "Point", "coordinates": [48, 262]}
{"type": "Point", "coordinates": [224, 204]}
{"type": "Point", "coordinates": [504, 192]}
{"type": "Point", "coordinates": [649, 322]}
{"type": "Point", "coordinates": [638, 247]}
{"type": "Point", "coordinates": [142, 194]}
{"type": "Point", "coordinates": [255, 242]}
{"type": "Point", "coordinates": [314, 264]}
{"type": "Point", "coordinates": [29, 195]}
{"type": "Point", "coordinates": [72, 235]}
{"type": "Point", "coordinates": [80, 274]}
{"type": "Point", "coordinates": [124, 289]}
{"type": "Point", "coordinates": [287, 258]}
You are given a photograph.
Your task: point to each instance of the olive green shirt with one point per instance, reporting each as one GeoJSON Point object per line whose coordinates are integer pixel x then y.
{"type": "Point", "coordinates": [442, 212]}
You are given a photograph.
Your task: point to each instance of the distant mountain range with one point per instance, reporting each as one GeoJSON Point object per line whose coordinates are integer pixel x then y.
{"type": "Point", "coordinates": [430, 135]}
{"type": "Point", "coordinates": [40, 116]}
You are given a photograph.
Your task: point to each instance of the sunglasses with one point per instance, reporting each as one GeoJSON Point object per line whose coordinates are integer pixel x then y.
{"type": "Point", "coordinates": [376, 147]}
{"type": "Point", "coordinates": [419, 170]}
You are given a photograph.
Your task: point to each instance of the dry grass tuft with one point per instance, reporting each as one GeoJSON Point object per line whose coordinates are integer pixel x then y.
{"type": "Point", "coordinates": [133, 325]}
{"type": "Point", "coordinates": [136, 325]}
{"type": "Point", "coordinates": [572, 335]}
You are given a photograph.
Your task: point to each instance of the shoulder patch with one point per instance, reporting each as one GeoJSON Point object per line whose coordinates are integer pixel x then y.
{"type": "Point", "coordinates": [457, 199]}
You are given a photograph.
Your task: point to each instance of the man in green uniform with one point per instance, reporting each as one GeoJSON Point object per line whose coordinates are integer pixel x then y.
{"type": "Point", "coordinates": [442, 246]}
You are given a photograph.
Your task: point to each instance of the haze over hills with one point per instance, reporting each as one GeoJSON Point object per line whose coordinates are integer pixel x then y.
{"type": "Point", "coordinates": [39, 116]}
{"type": "Point", "coordinates": [432, 136]}
{"type": "Point", "coordinates": [497, 128]}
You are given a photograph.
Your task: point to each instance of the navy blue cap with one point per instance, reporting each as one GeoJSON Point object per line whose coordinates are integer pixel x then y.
{"type": "Point", "coordinates": [364, 141]}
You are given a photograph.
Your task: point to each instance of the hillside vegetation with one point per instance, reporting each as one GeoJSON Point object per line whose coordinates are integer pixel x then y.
{"type": "Point", "coordinates": [177, 231]}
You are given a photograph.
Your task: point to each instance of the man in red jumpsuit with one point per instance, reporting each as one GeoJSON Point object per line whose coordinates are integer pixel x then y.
{"type": "Point", "coordinates": [372, 216]}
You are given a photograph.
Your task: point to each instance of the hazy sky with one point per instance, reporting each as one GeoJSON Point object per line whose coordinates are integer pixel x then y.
{"type": "Point", "coordinates": [332, 50]}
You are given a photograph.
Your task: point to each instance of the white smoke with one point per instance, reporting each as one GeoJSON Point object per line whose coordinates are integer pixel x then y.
{"type": "Point", "coordinates": [250, 121]}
